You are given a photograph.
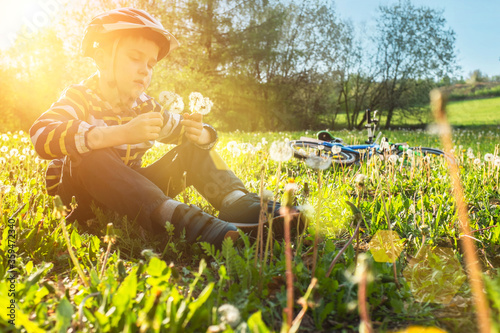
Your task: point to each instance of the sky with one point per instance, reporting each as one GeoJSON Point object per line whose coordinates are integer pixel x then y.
{"type": "Point", "coordinates": [475, 22]}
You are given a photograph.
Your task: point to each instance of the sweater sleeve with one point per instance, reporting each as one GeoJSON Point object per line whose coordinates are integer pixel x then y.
{"type": "Point", "coordinates": [62, 130]}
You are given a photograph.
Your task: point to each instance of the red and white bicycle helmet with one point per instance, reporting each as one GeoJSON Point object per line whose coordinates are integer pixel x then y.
{"type": "Point", "coordinates": [126, 19]}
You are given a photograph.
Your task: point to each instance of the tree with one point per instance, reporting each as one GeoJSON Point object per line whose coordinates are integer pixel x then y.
{"type": "Point", "coordinates": [413, 43]}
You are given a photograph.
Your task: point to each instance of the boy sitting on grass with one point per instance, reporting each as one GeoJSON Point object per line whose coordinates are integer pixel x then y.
{"type": "Point", "coordinates": [98, 131]}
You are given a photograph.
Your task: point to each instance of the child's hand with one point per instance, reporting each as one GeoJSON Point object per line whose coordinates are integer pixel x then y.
{"type": "Point", "coordinates": [144, 127]}
{"type": "Point", "coordinates": [194, 128]}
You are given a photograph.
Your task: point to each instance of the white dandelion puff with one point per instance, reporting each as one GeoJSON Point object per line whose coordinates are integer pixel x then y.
{"type": "Point", "coordinates": [167, 97]}
{"type": "Point", "coordinates": [318, 163]}
{"type": "Point", "coordinates": [393, 159]}
{"type": "Point", "coordinates": [477, 161]}
{"type": "Point", "coordinates": [14, 152]}
{"type": "Point", "coordinates": [177, 106]}
{"type": "Point", "coordinates": [229, 314]}
{"type": "Point", "coordinates": [195, 102]}
{"type": "Point", "coordinates": [5, 189]}
{"type": "Point", "coordinates": [292, 186]}
{"type": "Point", "coordinates": [267, 195]}
{"type": "Point", "coordinates": [206, 106]}
{"type": "Point", "coordinates": [231, 146]}
{"type": "Point", "coordinates": [336, 150]}
{"type": "Point", "coordinates": [172, 102]}
{"type": "Point", "coordinates": [360, 179]}
{"type": "Point", "coordinates": [497, 162]}
{"type": "Point", "coordinates": [4, 149]}
{"type": "Point", "coordinates": [488, 157]}
{"type": "Point", "coordinates": [5, 137]}
{"type": "Point", "coordinates": [280, 151]}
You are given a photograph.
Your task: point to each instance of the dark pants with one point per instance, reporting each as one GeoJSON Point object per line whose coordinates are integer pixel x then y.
{"type": "Point", "coordinates": [102, 177]}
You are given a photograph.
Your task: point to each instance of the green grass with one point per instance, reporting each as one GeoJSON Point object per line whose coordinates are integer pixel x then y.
{"type": "Point", "coordinates": [475, 112]}
{"type": "Point", "coordinates": [161, 284]}
{"type": "Point", "coordinates": [479, 112]}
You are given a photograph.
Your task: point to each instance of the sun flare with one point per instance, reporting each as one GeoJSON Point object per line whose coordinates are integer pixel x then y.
{"type": "Point", "coordinates": [34, 14]}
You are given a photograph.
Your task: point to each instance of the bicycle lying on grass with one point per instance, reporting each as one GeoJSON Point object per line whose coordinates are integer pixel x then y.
{"type": "Point", "coordinates": [328, 146]}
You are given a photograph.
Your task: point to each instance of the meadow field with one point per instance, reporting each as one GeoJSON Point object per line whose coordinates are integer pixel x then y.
{"type": "Point", "coordinates": [405, 269]}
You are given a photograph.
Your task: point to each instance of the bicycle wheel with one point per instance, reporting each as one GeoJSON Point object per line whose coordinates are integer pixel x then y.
{"type": "Point", "coordinates": [305, 149]}
{"type": "Point", "coordinates": [425, 151]}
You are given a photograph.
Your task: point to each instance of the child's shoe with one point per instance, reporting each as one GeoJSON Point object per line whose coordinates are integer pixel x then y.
{"type": "Point", "coordinates": [201, 226]}
{"type": "Point", "coordinates": [244, 214]}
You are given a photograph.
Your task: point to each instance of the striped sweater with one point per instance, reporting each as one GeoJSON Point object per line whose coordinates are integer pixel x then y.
{"type": "Point", "coordinates": [60, 132]}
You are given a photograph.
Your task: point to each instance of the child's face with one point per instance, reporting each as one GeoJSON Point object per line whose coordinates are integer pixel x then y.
{"type": "Point", "coordinates": [134, 62]}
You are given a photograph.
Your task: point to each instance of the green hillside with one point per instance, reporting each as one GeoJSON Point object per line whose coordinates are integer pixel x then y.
{"type": "Point", "coordinates": [475, 112]}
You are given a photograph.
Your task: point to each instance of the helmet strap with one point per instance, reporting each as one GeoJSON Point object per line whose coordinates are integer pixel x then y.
{"type": "Point", "coordinates": [114, 83]}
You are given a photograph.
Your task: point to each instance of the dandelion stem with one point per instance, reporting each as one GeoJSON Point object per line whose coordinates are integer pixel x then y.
{"type": "Point", "coordinates": [471, 258]}
{"type": "Point", "coordinates": [260, 231]}
{"type": "Point", "coordinates": [289, 273]}
{"type": "Point", "coordinates": [359, 218]}
{"type": "Point", "coordinates": [316, 232]}
{"type": "Point", "coordinates": [72, 254]}
{"type": "Point", "coordinates": [392, 242]}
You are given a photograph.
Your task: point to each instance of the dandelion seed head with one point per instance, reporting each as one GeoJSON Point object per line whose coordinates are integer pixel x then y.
{"type": "Point", "coordinates": [385, 145]}
{"type": "Point", "coordinates": [14, 152]}
{"type": "Point", "coordinates": [477, 161]}
{"type": "Point", "coordinates": [393, 159]}
{"type": "Point", "coordinates": [5, 137]}
{"type": "Point", "coordinates": [15, 136]}
{"type": "Point", "coordinates": [229, 314]}
{"type": "Point", "coordinates": [291, 186]}
{"type": "Point", "coordinates": [306, 210]}
{"type": "Point", "coordinates": [3, 160]}
{"type": "Point", "coordinates": [167, 97]}
{"type": "Point", "coordinates": [232, 145]}
{"type": "Point", "coordinates": [5, 189]}
{"type": "Point", "coordinates": [280, 151]}
{"type": "Point", "coordinates": [22, 157]}
{"type": "Point", "coordinates": [336, 150]}
{"type": "Point", "coordinates": [177, 106]}
{"type": "Point", "coordinates": [4, 149]}
{"type": "Point", "coordinates": [488, 157]}
{"type": "Point", "coordinates": [360, 179]}
{"type": "Point", "coordinates": [267, 195]}
{"type": "Point", "coordinates": [318, 162]}
{"type": "Point", "coordinates": [206, 106]}
{"type": "Point", "coordinates": [26, 151]}
{"type": "Point", "coordinates": [195, 102]}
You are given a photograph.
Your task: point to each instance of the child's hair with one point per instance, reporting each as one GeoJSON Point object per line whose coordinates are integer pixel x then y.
{"type": "Point", "coordinates": [105, 28]}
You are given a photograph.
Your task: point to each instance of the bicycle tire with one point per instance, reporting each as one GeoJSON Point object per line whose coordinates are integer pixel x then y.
{"type": "Point", "coordinates": [304, 149]}
{"type": "Point", "coordinates": [426, 151]}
